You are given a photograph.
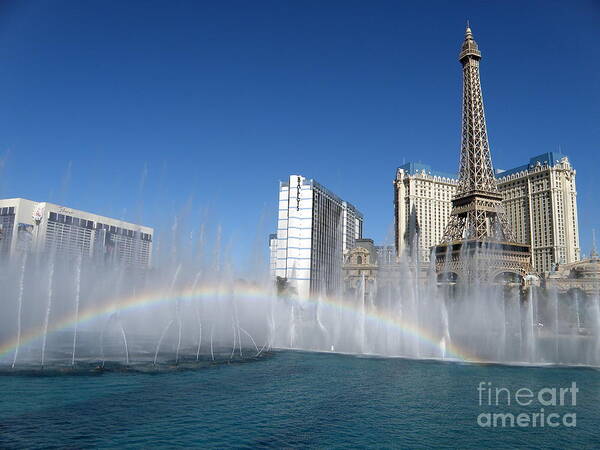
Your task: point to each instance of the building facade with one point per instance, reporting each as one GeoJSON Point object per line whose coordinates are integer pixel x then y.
{"type": "Point", "coordinates": [374, 275]}
{"type": "Point", "coordinates": [44, 227]}
{"type": "Point", "coordinates": [539, 198]}
{"type": "Point", "coordinates": [314, 229]}
{"type": "Point", "coordinates": [422, 201]}
{"type": "Point", "coordinates": [273, 255]}
{"type": "Point", "coordinates": [582, 277]}
{"type": "Point", "coordinates": [369, 270]}
{"type": "Point", "coordinates": [361, 270]}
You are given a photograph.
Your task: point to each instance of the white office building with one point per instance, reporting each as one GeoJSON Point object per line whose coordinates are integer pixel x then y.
{"type": "Point", "coordinates": [44, 227]}
{"type": "Point", "coordinates": [273, 255]}
{"type": "Point", "coordinates": [314, 229]}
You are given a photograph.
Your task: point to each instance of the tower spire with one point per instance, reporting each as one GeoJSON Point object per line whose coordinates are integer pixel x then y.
{"type": "Point", "coordinates": [594, 252]}
{"type": "Point", "coordinates": [477, 208]}
{"type": "Point", "coordinates": [469, 47]}
{"type": "Point", "coordinates": [478, 242]}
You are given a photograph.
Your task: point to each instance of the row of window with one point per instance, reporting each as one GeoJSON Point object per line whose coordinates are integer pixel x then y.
{"type": "Point", "coordinates": [70, 220]}
{"type": "Point", "coordinates": [89, 224]}
{"type": "Point", "coordinates": [7, 211]}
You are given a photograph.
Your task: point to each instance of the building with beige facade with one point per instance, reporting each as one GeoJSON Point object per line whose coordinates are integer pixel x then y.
{"type": "Point", "coordinates": [540, 199]}
{"type": "Point", "coordinates": [422, 201]}
{"type": "Point", "coordinates": [372, 273]}
{"type": "Point", "coordinates": [581, 277]}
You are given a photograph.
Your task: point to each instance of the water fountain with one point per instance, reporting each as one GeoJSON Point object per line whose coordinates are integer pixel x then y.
{"type": "Point", "coordinates": [20, 308]}
{"type": "Point", "coordinates": [48, 309]}
{"type": "Point", "coordinates": [77, 298]}
{"type": "Point", "coordinates": [157, 317]}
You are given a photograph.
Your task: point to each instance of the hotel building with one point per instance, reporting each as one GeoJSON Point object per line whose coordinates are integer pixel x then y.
{"type": "Point", "coordinates": [44, 227]}
{"type": "Point", "coordinates": [423, 201]}
{"type": "Point", "coordinates": [314, 229]}
{"type": "Point", "coordinates": [540, 199]}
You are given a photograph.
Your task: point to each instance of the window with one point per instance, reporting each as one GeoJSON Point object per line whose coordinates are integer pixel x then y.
{"type": "Point", "coordinates": [359, 260]}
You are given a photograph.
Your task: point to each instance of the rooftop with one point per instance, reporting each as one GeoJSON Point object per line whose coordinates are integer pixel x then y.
{"type": "Point", "coordinates": [314, 184]}
{"type": "Point", "coordinates": [413, 168]}
{"type": "Point", "coordinates": [548, 158]}
{"type": "Point", "coordinates": [68, 211]}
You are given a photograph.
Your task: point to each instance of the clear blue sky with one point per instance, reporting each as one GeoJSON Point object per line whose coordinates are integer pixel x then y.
{"type": "Point", "coordinates": [149, 109]}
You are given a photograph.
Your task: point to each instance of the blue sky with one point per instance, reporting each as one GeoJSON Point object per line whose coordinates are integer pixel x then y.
{"type": "Point", "coordinates": [147, 110]}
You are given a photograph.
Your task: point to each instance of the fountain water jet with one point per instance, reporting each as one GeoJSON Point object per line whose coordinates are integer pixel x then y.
{"type": "Point", "coordinates": [234, 340]}
{"type": "Point", "coordinates": [20, 307]}
{"type": "Point", "coordinates": [532, 325]}
{"type": "Point", "coordinates": [212, 353]}
{"type": "Point", "coordinates": [48, 307]}
{"type": "Point", "coordinates": [124, 336]}
{"type": "Point", "coordinates": [77, 295]}
{"type": "Point", "coordinates": [408, 315]}
{"type": "Point", "coordinates": [197, 312]}
{"type": "Point", "coordinates": [162, 336]}
{"type": "Point", "coordinates": [253, 342]}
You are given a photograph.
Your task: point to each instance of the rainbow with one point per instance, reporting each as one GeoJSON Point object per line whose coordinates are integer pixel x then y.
{"type": "Point", "coordinates": [245, 293]}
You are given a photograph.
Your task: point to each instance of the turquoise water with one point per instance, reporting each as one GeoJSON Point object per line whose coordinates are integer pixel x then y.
{"type": "Point", "coordinates": [291, 399]}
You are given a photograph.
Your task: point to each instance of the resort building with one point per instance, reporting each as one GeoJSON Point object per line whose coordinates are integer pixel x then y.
{"type": "Point", "coordinates": [44, 227]}
{"type": "Point", "coordinates": [314, 229]}
{"type": "Point", "coordinates": [581, 277]}
{"type": "Point", "coordinates": [540, 200]}
{"type": "Point", "coordinates": [361, 269]}
{"type": "Point", "coordinates": [369, 269]}
{"type": "Point", "coordinates": [423, 201]}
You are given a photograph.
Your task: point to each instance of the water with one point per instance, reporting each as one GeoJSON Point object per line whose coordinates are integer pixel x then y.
{"type": "Point", "coordinates": [287, 400]}
{"type": "Point", "coordinates": [48, 309]}
{"type": "Point", "coordinates": [166, 307]}
{"type": "Point", "coordinates": [77, 298]}
{"type": "Point", "coordinates": [20, 310]}
{"type": "Point", "coordinates": [94, 354]}
{"type": "Point", "coordinates": [165, 310]}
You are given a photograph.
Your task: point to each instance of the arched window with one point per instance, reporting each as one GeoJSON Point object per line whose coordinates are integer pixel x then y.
{"type": "Point", "coordinates": [359, 260]}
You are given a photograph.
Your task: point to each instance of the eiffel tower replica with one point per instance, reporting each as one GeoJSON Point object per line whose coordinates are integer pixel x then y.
{"type": "Point", "coordinates": [478, 243]}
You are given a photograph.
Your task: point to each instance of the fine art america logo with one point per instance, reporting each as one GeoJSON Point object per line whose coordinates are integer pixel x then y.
{"type": "Point", "coordinates": [524, 407]}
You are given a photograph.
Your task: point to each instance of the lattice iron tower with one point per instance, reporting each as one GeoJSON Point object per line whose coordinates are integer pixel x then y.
{"type": "Point", "coordinates": [478, 218]}
{"type": "Point", "coordinates": [477, 211]}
